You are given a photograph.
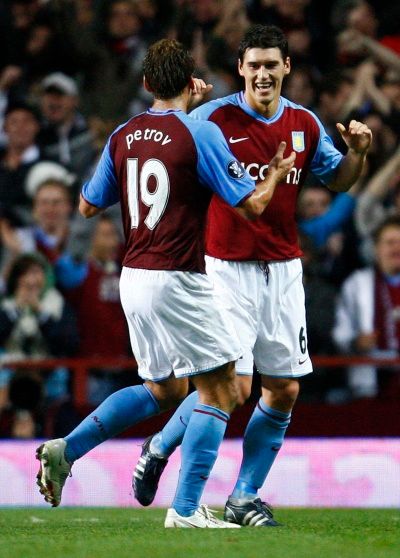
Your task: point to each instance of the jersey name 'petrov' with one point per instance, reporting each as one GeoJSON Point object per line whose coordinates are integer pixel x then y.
{"type": "Point", "coordinates": [147, 134]}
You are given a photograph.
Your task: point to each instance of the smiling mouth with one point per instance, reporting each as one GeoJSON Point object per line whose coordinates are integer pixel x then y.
{"type": "Point", "coordinates": [263, 86]}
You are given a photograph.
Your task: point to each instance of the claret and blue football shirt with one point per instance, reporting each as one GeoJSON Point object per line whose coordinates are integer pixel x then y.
{"type": "Point", "coordinates": [163, 167]}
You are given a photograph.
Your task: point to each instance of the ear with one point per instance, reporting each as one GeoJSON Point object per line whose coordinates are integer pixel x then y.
{"type": "Point", "coordinates": [146, 85]}
{"type": "Point", "coordinates": [286, 66]}
{"type": "Point", "coordinates": [191, 84]}
{"type": "Point", "coordinates": [240, 67]}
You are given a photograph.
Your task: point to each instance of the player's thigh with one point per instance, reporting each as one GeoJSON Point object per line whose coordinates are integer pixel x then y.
{"type": "Point", "coordinates": [238, 284]}
{"type": "Point", "coordinates": [177, 323]}
{"type": "Point", "coordinates": [281, 349]}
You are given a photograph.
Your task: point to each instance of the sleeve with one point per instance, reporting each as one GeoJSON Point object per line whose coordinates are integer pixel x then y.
{"type": "Point", "coordinates": [320, 228]}
{"type": "Point", "coordinates": [102, 189]}
{"type": "Point", "coordinates": [326, 158]}
{"type": "Point", "coordinates": [70, 273]}
{"type": "Point", "coordinates": [217, 166]}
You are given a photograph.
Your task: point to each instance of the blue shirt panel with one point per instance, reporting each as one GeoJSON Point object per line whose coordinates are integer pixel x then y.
{"type": "Point", "coordinates": [214, 161]}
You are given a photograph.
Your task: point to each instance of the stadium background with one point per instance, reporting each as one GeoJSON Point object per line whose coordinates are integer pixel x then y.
{"type": "Point", "coordinates": [72, 68]}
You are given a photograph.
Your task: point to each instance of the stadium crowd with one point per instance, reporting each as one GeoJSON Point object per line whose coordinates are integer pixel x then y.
{"type": "Point", "coordinates": [70, 72]}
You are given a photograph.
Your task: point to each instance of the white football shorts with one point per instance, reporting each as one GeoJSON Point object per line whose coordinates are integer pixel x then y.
{"type": "Point", "coordinates": [268, 313]}
{"type": "Point", "coordinates": [177, 323]}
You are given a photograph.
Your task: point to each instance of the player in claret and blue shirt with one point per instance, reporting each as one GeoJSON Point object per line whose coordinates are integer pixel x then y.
{"type": "Point", "coordinates": [256, 265]}
{"type": "Point", "coordinates": [163, 167]}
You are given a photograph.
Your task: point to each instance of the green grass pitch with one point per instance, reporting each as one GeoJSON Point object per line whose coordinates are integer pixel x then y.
{"type": "Point", "coordinates": [131, 533]}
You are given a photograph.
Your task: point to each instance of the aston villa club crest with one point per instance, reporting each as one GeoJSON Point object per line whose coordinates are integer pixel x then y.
{"type": "Point", "coordinates": [298, 141]}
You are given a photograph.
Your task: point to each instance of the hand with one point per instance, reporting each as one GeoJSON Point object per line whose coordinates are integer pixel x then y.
{"type": "Point", "coordinates": [358, 137]}
{"type": "Point", "coordinates": [9, 237]}
{"type": "Point", "coordinates": [365, 342]}
{"type": "Point", "coordinates": [199, 90]}
{"type": "Point", "coordinates": [279, 165]}
{"type": "Point", "coordinates": [10, 75]}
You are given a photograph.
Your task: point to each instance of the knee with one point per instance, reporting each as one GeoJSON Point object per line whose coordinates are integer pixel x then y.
{"type": "Point", "coordinates": [286, 394]}
{"type": "Point", "coordinates": [168, 394]}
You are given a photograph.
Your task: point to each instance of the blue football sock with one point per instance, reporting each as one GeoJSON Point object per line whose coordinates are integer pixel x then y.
{"type": "Point", "coordinates": [171, 436]}
{"type": "Point", "coordinates": [200, 444]}
{"type": "Point", "coordinates": [120, 410]}
{"type": "Point", "coordinates": [262, 441]}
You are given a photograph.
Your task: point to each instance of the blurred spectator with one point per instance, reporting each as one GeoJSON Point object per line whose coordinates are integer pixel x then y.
{"type": "Point", "coordinates": [327, 222]}
{"type": "Point", "coordinates": [373, 204]}
{"type": "Point", "coordinates": [21, 415]}
{"type": "Point", "coordinates": [360, 35]}
{"type": "Point", "coordinates": [65, 136]}
{"type": "Point", "coordinates": [49, 232]}
{"type": "Point", "coordinates": [92, 287]}
{"type": "Point", "coordinates": [35, 322]}
{"type": "Point", "coordinates": [368, 312]}
{"type": "Point", "coordinates": [110, 64]}
{"type": "Point", "coordinates": [21, 126]}
{"type": "Point", "coordinates": [299, 86]}
{"type": "Point", "coordinates": [333, 94]}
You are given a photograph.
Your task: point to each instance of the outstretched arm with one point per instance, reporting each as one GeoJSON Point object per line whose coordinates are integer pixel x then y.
{"type": "Point", "coordinates": [358, 139]}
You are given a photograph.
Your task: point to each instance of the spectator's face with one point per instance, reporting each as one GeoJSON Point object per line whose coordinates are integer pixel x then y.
{"type": "Point", "coordinates": [105, 242]}
{"type": "Point", "coordinates": [51, 207]}
{"type": "Point", "coordinates": [263, 70]}
{"type": "Point", "coordinates": [388, 250]}
{"type": "Point", "coordinates": [123, 21]}
{"type": "Point", "coordinates": [58, 108]}
{"type": "Point", "coordinates": [363, 19]}
{"type": "Point", "coordinates": [313, 202]}
{"type": "Point", "coordinates": [332, 103]}
{"type": "Point", "coordinates": [21, 128]}
{"type": "Point", "coordinates": [299, 89]}
{"type": "Point", "coordinates": [33, 280]}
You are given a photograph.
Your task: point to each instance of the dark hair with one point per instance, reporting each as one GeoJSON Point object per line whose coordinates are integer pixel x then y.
{"type": "Point", "coordinates": [20, 266]}
{"type": "Point", "coordinates": [264, 36]}
{"type": "Point", "coordinates": [167, 67]}
{"type": "Point", "coordinates": [393, 221]}
{"type": "Point", "coordinates": [22, 105]}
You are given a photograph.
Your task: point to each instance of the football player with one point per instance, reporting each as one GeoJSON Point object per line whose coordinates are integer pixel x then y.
{"type": "Point", "coordinates": [256, 265]}
{"type": "Point", "coordinates": [163, 166]}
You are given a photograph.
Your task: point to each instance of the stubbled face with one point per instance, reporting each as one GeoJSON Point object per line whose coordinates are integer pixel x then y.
{"type": "Point", "coordinates": [387, 250]}
{"type": "Point", "coordinates": [263, 70]}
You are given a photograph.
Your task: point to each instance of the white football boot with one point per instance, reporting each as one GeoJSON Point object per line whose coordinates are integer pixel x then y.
{"type": "Point", "coordinates": [202, 518]}
{"type": "Point", "coordinates": [53, 471]}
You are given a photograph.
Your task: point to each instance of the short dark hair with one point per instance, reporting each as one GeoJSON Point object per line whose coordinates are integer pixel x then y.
{"type": "Point", "coordinates": [168, 68]}
{"type": "Point", "coordinates": [264, 36]}
{"type": "Point", "coordinates": [392, 221]}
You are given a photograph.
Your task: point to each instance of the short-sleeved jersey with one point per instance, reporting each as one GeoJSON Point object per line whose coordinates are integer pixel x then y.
{"type": "Point", "coordinates": [163, 167]}
{"type": "Point", "coordinates": [254, 140]}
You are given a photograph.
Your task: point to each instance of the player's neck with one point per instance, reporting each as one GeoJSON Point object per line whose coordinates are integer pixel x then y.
{"type": "Point", "coordinates": [266, 110]}
{"type": "Point", "coordinates": [178, 103]}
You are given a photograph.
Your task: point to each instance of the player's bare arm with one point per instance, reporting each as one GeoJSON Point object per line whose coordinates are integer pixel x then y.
{"type": "Point", "coordinates": [358, 138]}
{"type": "Point", "coordinates": [278, 169]}
{"type": "Point", "coordinates": [88, 210]}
